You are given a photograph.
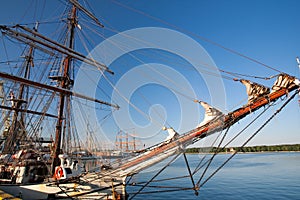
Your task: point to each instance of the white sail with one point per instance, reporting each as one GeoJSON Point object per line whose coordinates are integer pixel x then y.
{"type": "Point", "coordinates": [254, 90]}
{"type": "Point", "coordinates": [172, 133]}
{"type": "Point", "coordinates": [210, 113]}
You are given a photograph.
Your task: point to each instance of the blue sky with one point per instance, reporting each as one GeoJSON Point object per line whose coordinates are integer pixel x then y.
{"type": "Point", "coordinates": [266, 30]}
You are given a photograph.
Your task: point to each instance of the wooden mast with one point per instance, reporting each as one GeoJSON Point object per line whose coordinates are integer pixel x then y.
{"type": "Point", "coordinates": [13, 135]}
{"type": "Point", "coordinates": [65, 84]}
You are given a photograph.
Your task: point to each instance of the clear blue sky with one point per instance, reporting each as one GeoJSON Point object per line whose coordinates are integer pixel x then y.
{"type": "Point", "coordinates": [261, 29]}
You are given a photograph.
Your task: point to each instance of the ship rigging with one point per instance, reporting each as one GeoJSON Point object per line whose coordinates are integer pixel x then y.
{"type": "Point", "coordinates": [45, 164]}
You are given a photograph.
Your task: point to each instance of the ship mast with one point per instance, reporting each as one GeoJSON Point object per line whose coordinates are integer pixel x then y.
{"type": "Point", "coordinates": [14, 135]}
{"type": "Point", "coordinates": [65, 84]}
{"type": "Point", "coordinates": [48, 46]}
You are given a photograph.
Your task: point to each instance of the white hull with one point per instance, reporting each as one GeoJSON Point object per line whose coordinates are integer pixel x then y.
{"type": "Point", "coordinates": [90, 186]}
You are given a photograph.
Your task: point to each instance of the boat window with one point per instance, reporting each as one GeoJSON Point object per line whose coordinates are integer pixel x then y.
{"type": "Point", "coordinates": [68, 170]}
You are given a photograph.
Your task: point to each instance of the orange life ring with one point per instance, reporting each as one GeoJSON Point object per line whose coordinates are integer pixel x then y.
{"type": "Point", "coordinates": [59, 172]}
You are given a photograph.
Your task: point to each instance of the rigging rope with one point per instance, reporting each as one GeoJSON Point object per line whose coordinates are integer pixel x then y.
{"type": "Point", "coordinates": [246, 75]}
{"type": "Point", "coordinates": [250, 138]}
{"type": "Point", "coordinates": [160, 191]}
{"type": "Point", "coordinates": [156, 71]}
{"type": "Point", "coordinates": [161, 170]}
{"type": "Point", "coordinates": [211, 159]}
{"type": "Point", "coordinates": [190, 174]}
{"type": "Point", "coordinates": [199, 166]}
{"type": "Point", "coordinates": [202, 70]}
{"type": "Point", "coordinates": [5, 50]}
{"type": "Point", "coordinates": [195, 35]}
{"type": "Point", "coordinates": [158, 114]}
{"type": "Point", "coordinates": [165, 179]}
{"type": "Point", "coordinates": [127, 100]}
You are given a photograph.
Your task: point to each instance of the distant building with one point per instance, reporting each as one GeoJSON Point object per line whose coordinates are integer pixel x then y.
{"type": "Point", "coordinates": [232, 150]}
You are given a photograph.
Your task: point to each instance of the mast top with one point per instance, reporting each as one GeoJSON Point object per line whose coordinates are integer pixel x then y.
{"type": "Point", "coordinates": [88, 13]}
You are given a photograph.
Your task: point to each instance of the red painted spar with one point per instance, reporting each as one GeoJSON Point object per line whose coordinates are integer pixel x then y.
{"type": "Point", "coordinates": [163, 150]}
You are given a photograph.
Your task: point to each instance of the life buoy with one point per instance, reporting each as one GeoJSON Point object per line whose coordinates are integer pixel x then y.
{"type": "Point", "coordinates": [59, 173]}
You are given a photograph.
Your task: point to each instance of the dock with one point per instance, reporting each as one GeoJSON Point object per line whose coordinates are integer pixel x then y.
{"type": "Point", "coordinates": [6, 196]}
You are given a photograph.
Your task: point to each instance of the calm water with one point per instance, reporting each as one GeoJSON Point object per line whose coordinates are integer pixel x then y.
{"type": "Point", "coordinates": [246, 176]}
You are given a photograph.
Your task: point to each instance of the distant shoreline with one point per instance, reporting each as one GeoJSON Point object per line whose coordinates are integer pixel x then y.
{"type": "Point", "coordinates": [261, 152]}
{"type": "Point", "coordinates": [248, 149]}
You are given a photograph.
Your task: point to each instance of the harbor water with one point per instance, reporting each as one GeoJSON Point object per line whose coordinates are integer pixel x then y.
{"type": "Point", "coordinates": [247, 176]}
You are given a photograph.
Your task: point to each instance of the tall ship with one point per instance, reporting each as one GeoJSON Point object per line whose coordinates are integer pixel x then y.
{"type": "Point", "coordinates": [40, 136]}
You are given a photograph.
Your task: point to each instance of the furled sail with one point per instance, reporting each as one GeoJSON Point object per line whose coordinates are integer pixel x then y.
{"type": "Point", "coordinates": [254, 90]}
{"type": "Point", "coordinates": [172, 133]}
{"type": "Point", "coordinates": [284, 81]}
{"type": "Point", "coordinates": [210, 113]}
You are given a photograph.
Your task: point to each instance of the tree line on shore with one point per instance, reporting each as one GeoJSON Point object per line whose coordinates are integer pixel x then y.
{"type": "Point", "coordinates": [263, 148]}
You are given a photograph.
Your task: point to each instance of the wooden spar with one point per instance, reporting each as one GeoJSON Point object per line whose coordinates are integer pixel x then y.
{"type": "Point", "coordinates": [68, 49]}
{"type": "Point", "coordinates": [233, 117]}
{"type": "Point", "coordinates": [164, 150]}
{"type": "Point", "coordinates": [64, 84]}
{"type": "Point", "coordinates": [13, 133]}
{"type": "Point", "coordinates": [88, 13]}
{"type": "Point", "coordinates": [27, 111]}
{"type": "Point", "coordinates": [52, 88]}
{"type": "Point", "coordinates": [52, 45]}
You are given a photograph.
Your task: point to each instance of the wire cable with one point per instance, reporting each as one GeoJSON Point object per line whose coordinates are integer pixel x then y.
{"type": "Point", "coordinates": [195, 35]}
{"type": "Point", "coordinates": [250, 138]}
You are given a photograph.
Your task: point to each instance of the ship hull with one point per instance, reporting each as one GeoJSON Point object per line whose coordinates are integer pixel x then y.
{"type": "Point", "coordinates": [91, 186]}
